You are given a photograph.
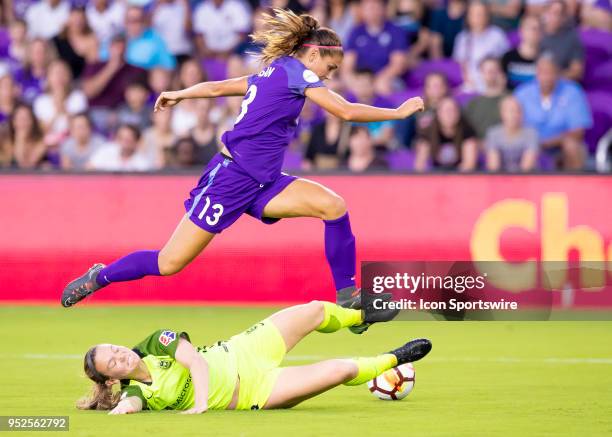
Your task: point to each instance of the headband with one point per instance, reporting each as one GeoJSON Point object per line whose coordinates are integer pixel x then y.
{"type": "Point", "coordinates": [89, 359]}
{"type": "Point", "coordinates": [321, 47]}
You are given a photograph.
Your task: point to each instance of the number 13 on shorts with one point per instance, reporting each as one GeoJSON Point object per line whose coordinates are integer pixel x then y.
{"type": "Point", "coordinates": [215, 212]}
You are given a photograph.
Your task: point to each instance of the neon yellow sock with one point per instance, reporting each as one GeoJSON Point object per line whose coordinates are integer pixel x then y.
{"type": "Point", "coordinates": [337, 317]}
{"type": "Point", "coordinates": [371, 367]}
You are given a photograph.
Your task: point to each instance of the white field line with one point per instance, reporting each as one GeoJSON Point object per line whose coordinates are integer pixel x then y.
{"type": "Point", "coordinates": [500, 360]}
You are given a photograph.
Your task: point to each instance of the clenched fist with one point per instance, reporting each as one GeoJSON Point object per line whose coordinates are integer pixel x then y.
{"type": "Point", "coordinates": [411, 106]}
{"type": "Point", "coordinates": [166, 100]}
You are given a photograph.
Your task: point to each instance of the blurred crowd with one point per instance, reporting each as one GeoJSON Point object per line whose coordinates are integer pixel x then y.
{"type": "Point", "coordinates": [509, 85]}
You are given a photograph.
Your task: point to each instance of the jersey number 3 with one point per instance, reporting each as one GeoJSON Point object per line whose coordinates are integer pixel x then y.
{"type": "Point", "coordinates": [217, 210]}
{"type": "Point", "coordinates": [248, 99]}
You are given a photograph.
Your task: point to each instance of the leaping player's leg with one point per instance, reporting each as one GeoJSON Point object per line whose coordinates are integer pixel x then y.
{"type": "Point", "coordinates": [223, 193]}
{"type": "Point", "coordinates": [187, 241]}
{"type": "Point", "coordinates": [305, 198]}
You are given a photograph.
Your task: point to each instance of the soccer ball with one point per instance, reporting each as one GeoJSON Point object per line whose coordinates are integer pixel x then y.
{"type": "Point", "coordinates": [394, 384]}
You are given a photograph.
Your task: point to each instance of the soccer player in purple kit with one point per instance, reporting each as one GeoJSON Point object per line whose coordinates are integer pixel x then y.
{"type": "Point", "coordinates": [246, 176]}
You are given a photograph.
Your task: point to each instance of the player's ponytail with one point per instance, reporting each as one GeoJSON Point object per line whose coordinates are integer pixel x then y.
{"type": "Point", "coordinates": [284, 33]}
{"type": "Point", "coordinates": [101, 396]}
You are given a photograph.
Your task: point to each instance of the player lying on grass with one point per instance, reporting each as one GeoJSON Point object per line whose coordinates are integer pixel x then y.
{"type": "Point", "coordinates": [246, 176]}
{"type": "Point", "coordinates": [165, 371]}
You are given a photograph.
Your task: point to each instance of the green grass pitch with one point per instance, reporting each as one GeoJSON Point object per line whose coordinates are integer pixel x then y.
{"type": "Point", "coordinates": [482, 378]}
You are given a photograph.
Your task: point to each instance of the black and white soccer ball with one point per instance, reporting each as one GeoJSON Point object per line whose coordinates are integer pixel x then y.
{"type": "Point", "coordinates": [394, 384]}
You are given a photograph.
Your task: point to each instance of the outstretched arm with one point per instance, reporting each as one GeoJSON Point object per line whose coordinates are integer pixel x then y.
{"type": "Point", "coordinates": [337, 105]}
{"type": "Point", "coordinates": [129, 405]}
{"type": "Point", "coordinates": [188, 357]}
{"type": "Point", "coordinates": [230, 87]}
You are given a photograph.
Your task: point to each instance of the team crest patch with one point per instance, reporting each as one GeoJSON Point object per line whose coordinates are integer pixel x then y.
{"type": "Point", "coordinates": [167, 337]}
{"type": "Point", "coordinates": [310, 76]}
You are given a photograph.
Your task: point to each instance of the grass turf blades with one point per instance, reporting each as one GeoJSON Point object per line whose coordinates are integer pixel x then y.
{"type": "Point", "coordinates": [482, 378]}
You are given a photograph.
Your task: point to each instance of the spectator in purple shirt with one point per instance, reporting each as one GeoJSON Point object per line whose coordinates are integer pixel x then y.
{"type": "Point", "coordinates": [104, 83]}
{"type": "Point", "coordinates": [32, 77]}
{"type": "Point", "coordinates": [377, 45]}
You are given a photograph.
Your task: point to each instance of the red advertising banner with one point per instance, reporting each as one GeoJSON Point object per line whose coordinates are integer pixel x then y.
{"type": "Point", "coordinates": [54, 227]}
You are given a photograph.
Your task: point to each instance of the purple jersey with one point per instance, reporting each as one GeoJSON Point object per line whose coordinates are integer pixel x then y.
{"type": "Point", "coordinates": [268, 117]}
{"type": "Point", "coordinates": [374, 50]}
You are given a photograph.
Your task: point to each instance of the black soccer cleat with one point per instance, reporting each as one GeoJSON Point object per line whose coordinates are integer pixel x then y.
{"type": "Point", "coordinates": [82, 287]}
{"type": "Point", "coordinates": [349, 297]}
{"type": "Point", "coordinates": [373, 315]}
{"type": "Point", "coordinates": [412, 351]}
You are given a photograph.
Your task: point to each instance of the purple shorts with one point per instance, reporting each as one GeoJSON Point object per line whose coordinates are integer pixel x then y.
{"type": "Point", "coordinates": [225, 191]}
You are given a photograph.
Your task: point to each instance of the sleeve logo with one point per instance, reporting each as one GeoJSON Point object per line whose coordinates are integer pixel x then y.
{"type": "Point", "coordinates": [167, 337]}
{"type": "Point", "coordinates": [310, 77]}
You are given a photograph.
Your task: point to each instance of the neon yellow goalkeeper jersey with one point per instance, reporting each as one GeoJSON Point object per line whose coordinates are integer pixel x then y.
{"type": "Point", "coordinates": [171, 387]}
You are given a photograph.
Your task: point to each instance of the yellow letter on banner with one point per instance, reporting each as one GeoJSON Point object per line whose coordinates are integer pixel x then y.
{"type": "Point", "coordinates": [485, 244]}
{"type": "Point", "coordinates": [558, 239]}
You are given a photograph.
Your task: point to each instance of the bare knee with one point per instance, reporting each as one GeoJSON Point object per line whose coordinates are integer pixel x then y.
{"type": "Point", "coordinates": [169, 265]}
{"type": "Point", "coordinates": [332, 207]}
{"type": "Point", "coordinates": [344, 369]}
{"type": "Point", "coordinates": [316, 310]}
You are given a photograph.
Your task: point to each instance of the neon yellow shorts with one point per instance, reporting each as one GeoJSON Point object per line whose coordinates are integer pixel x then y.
{"type": "Point", "coordinates": [259, 351]}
